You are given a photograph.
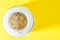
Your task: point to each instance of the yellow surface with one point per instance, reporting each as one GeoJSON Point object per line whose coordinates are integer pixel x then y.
{"type": "Point", "coordinates": [46, 16]}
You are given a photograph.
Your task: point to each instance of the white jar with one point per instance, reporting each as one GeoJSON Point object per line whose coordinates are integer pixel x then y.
{"type": "Point", "coordinates": [27, 13]}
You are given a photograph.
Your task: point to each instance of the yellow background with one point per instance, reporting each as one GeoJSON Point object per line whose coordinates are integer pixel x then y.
{"type": "Point", "coordinates": [46, 19]}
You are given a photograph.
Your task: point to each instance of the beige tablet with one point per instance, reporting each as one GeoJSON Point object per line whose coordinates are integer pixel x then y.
{"type": "Point", "coordinates": [18, 21]}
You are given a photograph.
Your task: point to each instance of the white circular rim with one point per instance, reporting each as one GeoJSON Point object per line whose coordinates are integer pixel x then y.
{"type": "Point", "coordinates": [25, 11]}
